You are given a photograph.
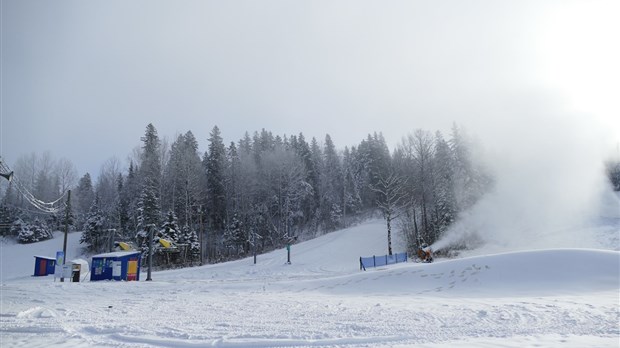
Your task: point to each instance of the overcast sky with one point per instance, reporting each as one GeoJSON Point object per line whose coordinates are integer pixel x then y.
{"type": "Point", "coordinates": [82, 79]}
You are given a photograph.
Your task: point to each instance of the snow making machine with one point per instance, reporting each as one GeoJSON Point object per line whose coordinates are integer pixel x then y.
{"type": "Point", "coordinates": [425, 253]}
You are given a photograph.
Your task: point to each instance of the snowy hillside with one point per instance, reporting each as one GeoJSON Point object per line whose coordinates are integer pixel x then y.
{"type": "Point", "coordinates": [550, 297]}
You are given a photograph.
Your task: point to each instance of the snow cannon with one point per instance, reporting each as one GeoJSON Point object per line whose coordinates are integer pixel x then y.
{"type": "Point", "coordinates": [425, 254]}
{"type": "Point", "coordinates": [165, 243]}
{"type": "Point", "coordinates": [124, 246]}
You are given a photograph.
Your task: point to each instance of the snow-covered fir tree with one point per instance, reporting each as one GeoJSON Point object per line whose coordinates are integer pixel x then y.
{"type": "Point", "coordinates": [215, 164]}
{"type": "Point", "coordinates": [84, 195]}
{"type": "Point", "coordinates": [234, 237]}
{"type": "Point", "coordinates": [94, 237]}
{"type": "Point", "coordinates": [148, 213]}
{"type": "Point", "coordinates": [31, 233]}
{"type": "Point", "coordinates": [8, 215]}
{"type": "Point", "coordinates": [331, 186]}
{"type": "Point", "coordinates": [42, 229]}
{"type": "Point", "coordinates": [23, 231]}
{"type": "Point", "coordinates": [190, 237]}
{"type": "Point", "coordinates": [170, 229]}
{"type": "Point", "coordinates": [148, 210]}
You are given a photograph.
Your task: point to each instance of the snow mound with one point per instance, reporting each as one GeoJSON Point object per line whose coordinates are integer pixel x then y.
{"type": "Point", "coordinates": [37, 313]}
{"type": "Point", "coordinates": [531, 273]}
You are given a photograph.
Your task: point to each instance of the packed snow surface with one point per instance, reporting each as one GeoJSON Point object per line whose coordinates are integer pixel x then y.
{"type": "Point", "coordinates": [552, 297]}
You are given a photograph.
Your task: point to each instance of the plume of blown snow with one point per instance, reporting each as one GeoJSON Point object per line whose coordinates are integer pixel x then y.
{"type": "Point", "coordinates": [550, 186]}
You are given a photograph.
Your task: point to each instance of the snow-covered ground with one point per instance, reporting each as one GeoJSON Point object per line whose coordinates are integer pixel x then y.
{"type": "Point", "coordinates": [550, 297]}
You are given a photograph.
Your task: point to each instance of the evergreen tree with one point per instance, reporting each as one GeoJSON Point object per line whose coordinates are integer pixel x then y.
{"type": "Point", "coordinates": [130, 196]}
{"type": "Point", "coordinates": [232, 179]}
{"type": "Point", "coordinates": [41, 230]}
{"type": "Point", "coordinates": [148, 208]}
{"type": "Point", "coordinates": [190, 238]}
{"type": "Point", "coordinates": [184, 178]}
{"type": "Point", "coordinates": [151, 156]}
{"type": "Point", "coordinates": [8, 214]}
{"type": "Point", "coordinates": [234, 236]}
{"type": "Point", "coordinates": [23, 231]}
{"type": "Point", "coordinates": [309, 204]}
{"type": "Point", "coordinates": [107, 191]}
{"type": "Point", "coordinates": [170, 229]}
{"type": "Point", "coordinates": [373, 162]}
{"type": "Point", "coordinates": [84, 196]}
{"type": "Point", "coordinates": [94, 236]}
{"type": "Point", "coordinates": [331, 186]}
{"type": "Point", "coordinates": [150, 174]}
{"type": "Point", "coordinates": [122, 207]}
{"type": "Point", "coordinates": [316, 156]}
{"type": "Point", "coordinates": [215, 165]}
{"type": "Point", "coordinates": [31, 233]}
{"type": "Point", "coordinates": [352, 200]}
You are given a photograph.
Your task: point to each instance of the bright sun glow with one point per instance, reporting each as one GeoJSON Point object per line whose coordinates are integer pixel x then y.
{"type": "Point", "coordinates": [581, 58]}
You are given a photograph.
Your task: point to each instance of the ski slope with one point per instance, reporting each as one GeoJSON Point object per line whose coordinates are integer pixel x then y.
{"type": "Point", "coordinates": [552, 297]}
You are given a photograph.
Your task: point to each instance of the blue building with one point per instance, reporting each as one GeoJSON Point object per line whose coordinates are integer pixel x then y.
{"type": "Point", "coordinates": [118, 265]}
{"type": "Point", "coordinates": [44, 265]}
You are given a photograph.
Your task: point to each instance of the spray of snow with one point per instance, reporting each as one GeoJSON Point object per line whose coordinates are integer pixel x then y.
{"type": "Point", "coordinates": [550, 184]}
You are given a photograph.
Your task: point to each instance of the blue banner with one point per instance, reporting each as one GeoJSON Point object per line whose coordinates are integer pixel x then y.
{"type": "Point", "coordinates": [60, 260]}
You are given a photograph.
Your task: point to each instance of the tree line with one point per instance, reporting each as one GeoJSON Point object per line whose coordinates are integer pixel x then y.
{"type": "Point", "coordinates": [257, 193]}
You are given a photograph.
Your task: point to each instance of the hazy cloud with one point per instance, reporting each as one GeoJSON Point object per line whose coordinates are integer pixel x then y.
{"type": "Point", "coordinates": [82, 79]}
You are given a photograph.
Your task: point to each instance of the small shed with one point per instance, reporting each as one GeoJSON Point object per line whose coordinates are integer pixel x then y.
{"type": "Point", "coordinates": [118, 265]}
{"type": "Point", "coordinates": [44, 265]}
{"type": "Point", "coordinates": [79, 267]}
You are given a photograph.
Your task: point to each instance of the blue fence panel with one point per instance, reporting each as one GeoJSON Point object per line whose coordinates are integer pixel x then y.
{"type": "Point", "coordinates": [366, 262]}
{"type": "Point", "coordinates": [391, 259]}
{"type": "Point", "coordinates": [383, 260]}
{"type": "Point", "coordinates": [380, 261]}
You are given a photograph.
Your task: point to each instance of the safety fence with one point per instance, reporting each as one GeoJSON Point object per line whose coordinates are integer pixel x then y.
{"type": "Point", "coordinates": [383, 260]}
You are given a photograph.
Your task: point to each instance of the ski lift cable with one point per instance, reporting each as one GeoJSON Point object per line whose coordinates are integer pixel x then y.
{"type": "Point", "coordinates": [47, 207]}
{"type": "Point", "coordinates": [40, 205]}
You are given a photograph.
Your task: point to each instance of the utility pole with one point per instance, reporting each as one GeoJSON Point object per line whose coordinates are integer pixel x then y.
{"type": "Point", "coordinates": [290, 241]}
{"type": "Point", "coordinates": [344, 198]}
{"type": "Point", "coordinates": [254, 244]}
{"type": "Point", "coordinates": [201, 238]}
{"type": "Point", "coordinates": [148, 275]}
{"type": "Point", "coordinates": [64, 244]}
